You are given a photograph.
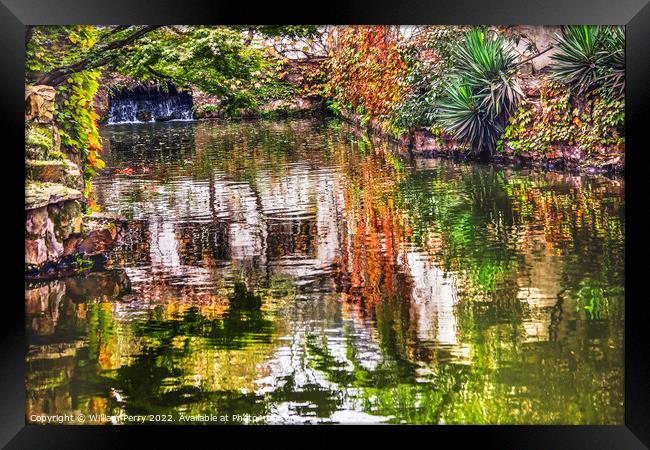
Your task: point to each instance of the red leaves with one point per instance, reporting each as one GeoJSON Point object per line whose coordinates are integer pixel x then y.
{"type": "Point", "coordinates": [125, 171]}
{"type": "Point", "coordinates": [128, 171]}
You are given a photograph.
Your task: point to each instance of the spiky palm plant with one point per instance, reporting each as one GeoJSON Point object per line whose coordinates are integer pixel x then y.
{"type": "Point", "coordinates": [461, 114]}
{"type": "Point", "coordinates": [476, 106]}
{"type": "Point", "coordinates": [487, 63]}
{"type": "Point", "coordinates": [612, 71]}
{"type": "Point", "coordinates": [590, 57]}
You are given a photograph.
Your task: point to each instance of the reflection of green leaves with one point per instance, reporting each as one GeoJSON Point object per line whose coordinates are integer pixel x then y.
{"type": "Point", "coordinates": [489, 273]}
{"type": "Point", "coordinates": [236, 329]}
{"type": "Point", "coordinates": [147, 381]}
{"type": "Point", "coordinates": [597, 300]}
{"type": "Point", "coordinates": [100, 327]}
{"type": "Point", "coordinates": [462, 210]}
{"type": "Point", "coordinates": [243, 299]}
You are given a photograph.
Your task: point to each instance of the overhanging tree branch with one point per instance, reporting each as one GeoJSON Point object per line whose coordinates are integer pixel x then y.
{"type": "Point", "coordinates": [535, 56]}
{"type": "Point", "coordinates": [157, 74]}
{"type": "Point", "coordinates": [93, 59]}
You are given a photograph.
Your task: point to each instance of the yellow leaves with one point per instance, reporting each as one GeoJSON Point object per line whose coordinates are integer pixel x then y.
{"type": "Point", "coordinates": [92, 158]}
{"type": "Point", "coordinates": [93, 141]}
{"type": "Point", "coordinates": [93, 205]}
{"type": "Point", "coordinates": [577, 122]}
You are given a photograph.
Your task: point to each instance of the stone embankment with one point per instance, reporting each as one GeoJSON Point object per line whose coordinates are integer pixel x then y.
{"type": "Point", "coordinates": [59, 237]}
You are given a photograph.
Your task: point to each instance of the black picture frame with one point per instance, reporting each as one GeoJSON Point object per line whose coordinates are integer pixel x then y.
{"type": "Point", "coordinates": [634, 14]}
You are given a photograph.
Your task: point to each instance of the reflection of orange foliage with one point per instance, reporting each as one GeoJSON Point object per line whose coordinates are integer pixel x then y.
{"type": "Point", "coordinates": [561, 214]}
{"type": "Point", "coordinates": [98, 405]}
{"type": "Point", "coordinates": [377, 229]}
{"type": "Point", "coordinates": [212, 311]}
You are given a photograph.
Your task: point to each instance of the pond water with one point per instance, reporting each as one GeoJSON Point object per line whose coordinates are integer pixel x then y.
{"type": "Point", "coordinates": [292, 272]}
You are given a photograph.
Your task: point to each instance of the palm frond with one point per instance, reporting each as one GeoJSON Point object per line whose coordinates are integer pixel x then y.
{"type": "Point", "coordinates": [590, 57]}
{"type": "Point", "coordinates": [476, 106]}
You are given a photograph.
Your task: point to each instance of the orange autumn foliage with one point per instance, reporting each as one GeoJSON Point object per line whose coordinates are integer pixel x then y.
{"type": "Point", "coordinates": [365, 68]}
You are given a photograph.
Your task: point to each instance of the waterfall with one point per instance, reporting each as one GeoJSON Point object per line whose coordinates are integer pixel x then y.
{"type": "Point", "coordinates": [149, 104]}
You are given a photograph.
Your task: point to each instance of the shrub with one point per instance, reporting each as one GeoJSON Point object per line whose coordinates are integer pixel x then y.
{"type": "Point", "coordinates": [477, 104]}
{"type": "Point", "coordinates": [588, 123]}
{"type": "Point", "coordinates": [430, 60]}
{"type": "Point", "coordinates": [591, 58]}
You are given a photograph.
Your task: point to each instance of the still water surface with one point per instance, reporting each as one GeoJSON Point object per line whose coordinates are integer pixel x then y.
{"type": "Point", "coordinates": [290, 272]}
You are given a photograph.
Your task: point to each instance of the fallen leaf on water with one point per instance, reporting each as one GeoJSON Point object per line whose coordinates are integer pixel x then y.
{"type": "Point", "coordinates": [127, 171]}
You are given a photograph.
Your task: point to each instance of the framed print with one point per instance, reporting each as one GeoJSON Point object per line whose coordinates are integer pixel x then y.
{"type": "Point", "coordinates": [403, 215]}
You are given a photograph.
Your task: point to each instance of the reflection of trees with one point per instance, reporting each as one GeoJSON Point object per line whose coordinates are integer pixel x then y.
{"type": "Point", "coordinates": [493, 225]}
{"type": "Point", "coordinates": [465, 221]}
{"type": "Point", "coordinates": [507, 382]}
{"type": "Point", "coordinates": [67, 358]}
{"type": "Point", "coordinates": [489, 296]}
{"type": "Point", "coordinates": [159, 378]}
{"type": "Point", "coordinates": [486, 226]}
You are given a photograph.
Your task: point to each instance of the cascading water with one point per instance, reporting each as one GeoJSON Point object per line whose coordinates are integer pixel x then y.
{"type": "Point", "coordinates": [149, 104]}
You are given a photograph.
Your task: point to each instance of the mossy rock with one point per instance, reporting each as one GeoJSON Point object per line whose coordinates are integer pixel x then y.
{"type": "Point", "coordinates": [41, 141]}
{"type": "Point", "coordinates": [66, 218]}
{"type": "Point", "coordinates": [39, 194]}
{"type": "Point", "coordinates": [61, 171]}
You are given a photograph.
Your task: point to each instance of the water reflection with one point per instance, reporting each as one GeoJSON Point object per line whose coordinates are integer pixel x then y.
{"type": "Point", "coordinates": [293, 272]}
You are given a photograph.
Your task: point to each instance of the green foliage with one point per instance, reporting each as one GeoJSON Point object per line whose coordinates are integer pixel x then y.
{"type": "Point", "coordinates": [276, 90]}
{"type": "Point", "coordinates": [478, 102]}
{"type": "Point", "coordinates": [52, 46]}
{"type": "Point", "coordinates": [588, 123]}
{"type": "Point", "coordinates": [487, 63]}
{"type": "Point", "coordinates": [591, 57]}
{"type": "Point", "coordinates": [74, 113]}
{"type": "Point", "coordinates": [430, 59]}
{"type": "Point", "coordinates": [210, 108]}
{"type": "Point", "coordinates": [459, 114]}
{"type": "Point", "coordinates": [214, 59]}
{"type": "Point", "coordinates": [77, 119]}
{"type": "Point", "coordinates": [613, 69]}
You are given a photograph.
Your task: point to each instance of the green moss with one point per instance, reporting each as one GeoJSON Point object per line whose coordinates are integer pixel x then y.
{"type": "Point", "coordinates": [39, 140]}
{"type": "Point", "coordinates": [56, 156]}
